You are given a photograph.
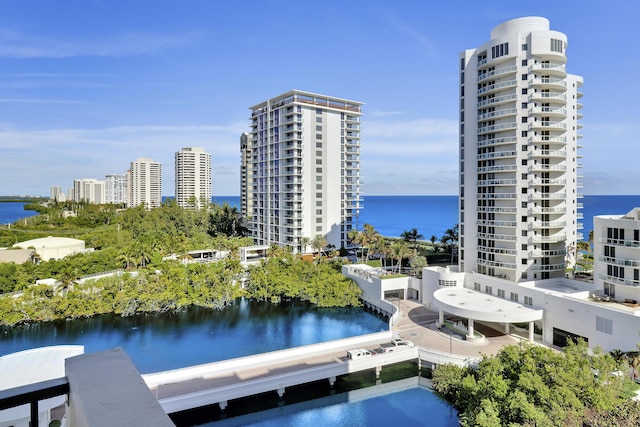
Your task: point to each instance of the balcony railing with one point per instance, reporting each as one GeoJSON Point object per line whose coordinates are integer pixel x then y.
{"type": "Point", "coordinates": [496, 100]}
{"type": "Point", "coordinates": [498, 72]}
{"type": "Point", "coordinates": [549, 267]}
{"type": "Point", "coordinates": [31, 394]}
{"type": "Point", "coordinates": [619, 280]}
{"type": "Point", "coordinates": [501, 85]}
{"type": "Point", "coordinates": [620, 242]}
{"type": "Point", "coordinates": [497, 264]}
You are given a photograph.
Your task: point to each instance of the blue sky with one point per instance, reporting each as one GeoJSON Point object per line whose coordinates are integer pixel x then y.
{"type": "Point", "coordinates": [88, 86]}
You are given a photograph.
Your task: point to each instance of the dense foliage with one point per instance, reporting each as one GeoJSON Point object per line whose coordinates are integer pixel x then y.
{"type": "Point", "coordinates": [531, 385]}
{"type": "Point", "coordinates": [150, 249]}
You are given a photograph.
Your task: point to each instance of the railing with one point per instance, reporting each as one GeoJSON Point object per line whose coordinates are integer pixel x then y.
{"type": "Point", "coordinates": [497, 72]}
{"type": "Point", "coordinates": [33, 393]}
{"type": "Point", "coordinates": [496, 100]}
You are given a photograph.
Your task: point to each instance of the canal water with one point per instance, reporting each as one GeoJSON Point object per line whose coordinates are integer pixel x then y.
{"type": "Point", "coordinates": [195, 336]}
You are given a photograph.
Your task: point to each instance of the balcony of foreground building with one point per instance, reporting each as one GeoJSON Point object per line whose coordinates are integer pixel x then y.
{"type": "Point", "coordinates": [550, 97]}
{"type": "Point", "coordinates": [498, 168]}
{"type": "Point", "coordinates": [497, 264]}
{"type": "Point", "coordinates": [555, 238]}
{"type": "Point", "coordinates": [494, 223]}
{"type": "Point", "coordinates": [497, 141]}
{"type": "Point", "coordinates": [549, 112]}
{"type": "Point", "coordinates": [619, 261]}
{"type": "Point", "coordinates": [552, 126]}
{"type": "Point", "coordinates": [496, 182]}
{"type": "Point", "coordinates": [549, 267]}
{"type": "Point", "coordinates": [498, 155]}
{"type": "Point", "coordinates": [497, 196]}
{"type": "Point", "coordinates": [497, 87]}
{"type": "Point", "coordinates": [541, 167]}
{"type": "Point", "coordinates": [493, 236]}
{"type": "Point", "coordinates": [496, 128]}
{"type": "Point", "coordinates": [498, 113]}
{"type": "Point", "coordinates": [538, 154]}
{"type": "Point", "coordinates": [546, 139]}
{"type": "Point", "coordinates": [544, 83]}
{"type": "Point", "coordinates": [619, 280]}
{"type": "Point", "coordinates": [629, 243]}
{"type": "Point", "coordinates": [497, 100]}
{"type": "Point", "coordinates": [493, 250]}
{"type": "Point", "coordinates": [537, 253]}
{"type": "Point", "coordinates": [547, 196]}
{"type": "Point", "coordinates": [512, 69]}
{"type": "Point", "coordinates": [553, 70]}
{"type": "Point", "coordinates": [496, 209]}
{"type": "Point", "coordinates": [547, 181]}
{"type": "Point", "coordinates": [537, 225]}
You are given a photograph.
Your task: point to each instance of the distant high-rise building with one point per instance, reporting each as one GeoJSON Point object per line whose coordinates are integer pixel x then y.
{"type": "Point", "coordinates": [246, 182]}
{"type": "Point", "coordinates": [193, 177]}
{"type": "Point", "coordinates": [116, 189]}
{"type": "Point", "coordinates": [89, 190]}
{"type": "Point", "coordinates": [519, 141]}
{"type": "Point", "coordinates": [57, 195]}
{"type": "Point", "coordinates": [145, 183]}
{"type": "Point", "coordinates": [302, 161]}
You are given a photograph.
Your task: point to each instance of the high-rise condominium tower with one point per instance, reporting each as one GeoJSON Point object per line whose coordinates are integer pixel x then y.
{"type": "Point", "coordinates": [246, 183]}
{"type": "Point", "coordinates": [116, 188]}
{"type": "Point", "coordinates": [193, 177]}
{"type": "Point", "coordinates": [304, 169]}
{"type": "Point", "coordinates": [89, 190]}
{"type": "Point", "coordinates": [519, 142]}
{"type": "Point", "coordinates": [145, 183]}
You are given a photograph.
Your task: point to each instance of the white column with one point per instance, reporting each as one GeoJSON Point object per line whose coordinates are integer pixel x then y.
{"type": "Point", "coordinates": [506, 328]}
{"type": "Point", "coordinates": [470, 331]}
{"type": "Point", "coordinates": [531, 329]}
{"type": "Point", "coordinates": [440, 317]}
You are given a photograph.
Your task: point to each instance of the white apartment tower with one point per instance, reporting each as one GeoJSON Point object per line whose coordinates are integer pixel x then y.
{"type": "Point", "coordinates": [303, 173]}
{"type": "Point", "coordinates": [519, 142]}
{"type": "Point", "coordinates": [246, 183]}
{"type": "Point", "coordinates": [145, 183]}
{"type": "Point", "coordinates": [116, 189]}
{"type": "Point", "coordinates": [89, 190]}
{"type": "Point", "coordinates": [193, 177]}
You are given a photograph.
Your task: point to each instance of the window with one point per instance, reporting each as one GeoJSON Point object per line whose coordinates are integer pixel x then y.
{"type": "Point", "coordinates": [524, 106]}
{"type": "Point", "coordinates": [318, 119]}
{"type": "Point", "coordinates": [318, 153]}
{"type": "Point", "coordinates": [524, 176]}
{"type": "Point", "coordinates": [523, 218]}
{"type": "Point", "coordinates": [524, 162]}
{"type": "Point", "coordinates": [319, 229]}
{"type": "Point", "coordinates": [318, 161]}
{"type": "Point", "coordinates": [524, 47]}
{"type": "Point", "coordinates": [524, 91]}
{"type": "Point", "coordinates": [524, 77]}
{"type": "Point", "coordinates": [528, 300]}
{"type": "Point", "coordinates": [318, 186]}
{"type": "Point", "coordinates": [318, 136]}
{"type": "Point", "coordinates": [523, 204]}
{"type": "Point", "coordinates": [557, 45]}
{"type": "Point", "coordinates": [318, 195]}
{"type": "Point", "coordinates": [318, 170]}
{"type": "Point", "coordinates": [318, 128]}
{"type": "Point", "coordinates": [501, 293]}
{"type": "Point", "coordinates": [500, 50]}
{"type": "Point", "coordinates": [523, 246]}
{"type": "Point", "coordinates": [488, 290]}
{"type": "Point", "coordinates": [523, 233]}
{"type": "Point", "coordinates": [523, 261]}
{"type": "Point", "coordinates": [318, 110]}
{"type": "Point", "coordinates": [318, 144]}
{"type": "Point", "coordinates": [318, 211]}
{"type": "Point", "coordinates": [524, 120]}
{"type": "Point", "coordinates": [476, 286]}
{"type": "Point", "coordinates": [514, 297]}
{"type": "Point", "coordinates": [523, 147]}
{"type": "Point", "coordinates": [318, 177]}
{"type": "Point", "coordinates": [318, 220]}
{"type": "Point", "coordinates": [523, 190]}
{"type": "Point", "coordinates": [604, 325]}
{"type": "Point", "coordinates": [524, 61]}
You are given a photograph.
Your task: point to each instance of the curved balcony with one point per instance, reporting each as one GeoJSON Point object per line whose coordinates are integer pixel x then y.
{"type": "Point", "coordinates": [556, 70]}
{"type": "Point", "coordinates": [547, 196]}
{"type": "Point", "coordinates": [499, 113]}
{"type": "Point", "coordinates": [620, 261]}
{"type": "Point", "coordinates": [497, 100]}
{"type": "Point", "coordinates": [620, 242]}
{"type": "Point", "coordinates": [504, 237]}
{"type": "Point", "coordinates": [497, 155]}
{"type": "Point", "coordinates": [619, 281]}
{"type": "Point", "coordinates": [550, 126]}
{"type": "Point", "coordinates": [496, 209]}
{"type": "Point", "coordinates": [539, 167]}
{"type": "Point", "coordinates": [557, 238]}
{"type": "Point", "coordinates": [497, 87]}
{"type": "Point", "coordinates": [550, 97]}
{"type": "Point", "coordinates": [497, 264]}
{"type": "Point", "coordinates": [549, 267]}
{"type": "Point", "coordinates": [536, 154]}
{"type": "Point", "coordinates": [497, 141]}
{"type": "Point", "coordinates": [507, 168]}
{"type": "Point", "coordinates": [496, 223]}
{"type": "Point", "coordinates": [547, 181]}
{"type": "Point", "coordinates": [544, 139]}
{"type": "Point", "coordinates": [550, 253]}
{"type": "Point", "coordinates": [548, 224]}
{"type": "Point", "coordinates": [549, 112]}
{"type": "Point", "coordinates": [549, 83]}
{"type": "Point", "coordinates": [498, 72]}
{"type": "Point", "coordinates": [500, 251]}
{"type": "Point", "coordinates": [496, 182]}
{"type": "Point", "coordinates": [497, 128]}
{"type": "Point", "coordinates": [497, 196]}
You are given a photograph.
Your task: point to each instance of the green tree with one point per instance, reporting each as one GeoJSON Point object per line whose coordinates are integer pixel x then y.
{"type": "Point", "coordinates": [450, 240]}
{"type": "Point", "coordinates": [412, 236]}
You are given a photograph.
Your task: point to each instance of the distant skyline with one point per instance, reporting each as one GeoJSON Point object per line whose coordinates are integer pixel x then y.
{"type": "Point", "coordinates": [86, 87]}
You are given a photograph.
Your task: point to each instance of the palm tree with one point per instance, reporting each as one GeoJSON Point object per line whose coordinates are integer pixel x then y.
{"type": "Point", "coordinates": [412, 236]}
{"type": "Point", "coordinates": [584, 246]}
{"type": "Point", "coordinates": [368, 238]}
{"type": "Point", "coordinates": [399, 250]}
{"type": "Point", "coordinates": [304, 242]}
{"type": "Point", "coordinates": [433, 241]}
{"type": "Point", "coordinates": [450, 239]}
{"type": "Point", "coordinates": [318, 243]}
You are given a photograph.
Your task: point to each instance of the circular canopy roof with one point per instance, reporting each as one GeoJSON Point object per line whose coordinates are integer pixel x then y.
{"type": "Point", "coordinates": [475, 305]}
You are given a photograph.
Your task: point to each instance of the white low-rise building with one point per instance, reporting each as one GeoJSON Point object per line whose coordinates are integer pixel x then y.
{"type": "Point", "coordinates": [53, 247]}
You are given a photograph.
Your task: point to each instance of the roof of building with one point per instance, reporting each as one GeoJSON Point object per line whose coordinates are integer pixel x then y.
{"type": "Point", "coordinates": [17, 256]}
{"type": "Point", "coordinates": [480, 306]}
{"type": "Point", "coordinates": [50, 242]}
{"type": "Point", "coordinates": [35, 365]}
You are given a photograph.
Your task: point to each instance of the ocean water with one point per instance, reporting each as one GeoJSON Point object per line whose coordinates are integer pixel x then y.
{"type": "Point", "coordinates": [391, 215]}
{"type": "Point", "coordinates": [433, 215]}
